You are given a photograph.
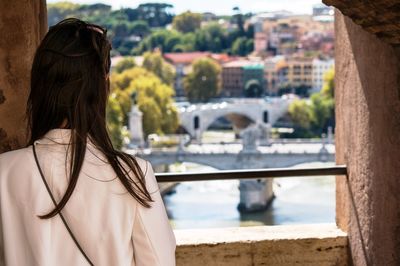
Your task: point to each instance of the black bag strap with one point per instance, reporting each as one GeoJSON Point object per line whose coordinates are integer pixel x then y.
{"type": "Point", "coordinates": [55, 204]}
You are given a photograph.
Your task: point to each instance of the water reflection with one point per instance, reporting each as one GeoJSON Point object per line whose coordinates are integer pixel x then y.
{"type": "Point", "coordinates": [206, 204]}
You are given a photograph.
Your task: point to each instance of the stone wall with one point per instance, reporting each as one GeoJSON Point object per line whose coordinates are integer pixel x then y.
{"type": "Point", "coordinates": [319, 245]}
{"type": "Point", "coordinates": [368, 142]}
{"type": "Point", "coordinates": [380, 17]}
{"type": "Point", "coordinates": [22, 25]}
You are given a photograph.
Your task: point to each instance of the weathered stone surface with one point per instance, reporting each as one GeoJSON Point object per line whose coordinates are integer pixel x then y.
{"type": "Point", "coordinates": [381, 17]}
{"type": "Point", "coordinates": [262, 245]}
{"type": "Point", "coordinates": [22, 25]}
{"type": "Point", "coordinates": [367, 141]}
{"type": "Point", "coordinates": [2, 98]}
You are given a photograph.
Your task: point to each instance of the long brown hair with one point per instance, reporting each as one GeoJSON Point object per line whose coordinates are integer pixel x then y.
{"type": "Point", "coordinates": [70, 85]}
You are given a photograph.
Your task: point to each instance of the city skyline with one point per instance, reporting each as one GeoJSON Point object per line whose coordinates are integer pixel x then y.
{"type": "Point", "coordinates": [222, 7]}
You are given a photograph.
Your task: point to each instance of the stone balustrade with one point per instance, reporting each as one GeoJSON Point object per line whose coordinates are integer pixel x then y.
{"type": "Point", "coordinates": [317, 244]}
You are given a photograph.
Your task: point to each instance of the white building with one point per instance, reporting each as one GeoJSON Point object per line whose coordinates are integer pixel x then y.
{"type": "Point", "coordinates": [320, 67]}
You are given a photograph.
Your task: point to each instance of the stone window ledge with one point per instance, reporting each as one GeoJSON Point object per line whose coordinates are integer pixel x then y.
{"type": "Point", "coordinates": [313, 244]}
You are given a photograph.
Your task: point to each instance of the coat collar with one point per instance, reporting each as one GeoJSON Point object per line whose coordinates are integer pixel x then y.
{"type": "Point", "coordinates": [56, 136]}
{"type": "Point", "coordinates": [59, 136]}
{"type": "Point", "coordinates": [62, 137]}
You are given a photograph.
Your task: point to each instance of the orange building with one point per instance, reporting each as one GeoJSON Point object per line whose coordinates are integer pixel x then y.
{"type": "Point", "coordinates": [183, 65]}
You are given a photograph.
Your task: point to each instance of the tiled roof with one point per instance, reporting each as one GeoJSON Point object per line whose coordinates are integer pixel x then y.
{"type": "Point", "coordinates": [242, 63]}
{"type": "Point", "coordinates": [185, 58]}
{"type": "Point", "coordinates": [189, 57]}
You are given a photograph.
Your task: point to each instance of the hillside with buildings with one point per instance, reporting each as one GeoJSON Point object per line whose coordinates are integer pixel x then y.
{"type": "Point", "coordinates": [202, 57]}
{"type": "Point", "coordinates": [291, 54]}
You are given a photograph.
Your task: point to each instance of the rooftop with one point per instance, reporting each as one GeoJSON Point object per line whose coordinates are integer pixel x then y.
{"type": "Point", "coordinates": [244, 64]}
{"type": "Point", "coordinates": [189, 57]}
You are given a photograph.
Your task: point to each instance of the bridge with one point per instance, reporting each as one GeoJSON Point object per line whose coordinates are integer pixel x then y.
{"type": "Point", "coordinates": [197, 118]}
{"type": "Point", "coordinates": [233, 156]}
{"type": "Point", "coordinates": [254, 194]}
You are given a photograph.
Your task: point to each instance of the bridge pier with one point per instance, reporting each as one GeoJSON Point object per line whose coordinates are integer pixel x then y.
{"type": "Point", "coordinates": [255, 194]}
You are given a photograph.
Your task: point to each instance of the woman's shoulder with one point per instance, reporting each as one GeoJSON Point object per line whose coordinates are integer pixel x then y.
{"type": "Point", "coordinates": [148, 174]}
{"type": "Point", "coordinates": [143, 164]}
{"type": "Point", "coordinates": [16, 156]}
{"type": "Point", "coordinates": [18, 160]}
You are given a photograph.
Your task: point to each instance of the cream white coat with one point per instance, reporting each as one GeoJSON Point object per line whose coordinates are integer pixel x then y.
{"type": "Point", "coordinates": [110, 225]}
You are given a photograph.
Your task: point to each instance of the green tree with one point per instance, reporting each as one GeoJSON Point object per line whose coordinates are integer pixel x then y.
{"type": "Point", "coordinates": [301, 113]}
{"type": "Point", "coordinates": [154, 99]}
{"type": "Point", "coordinates": [115, 121]}
{"type": "Point", "coordinates": [187, 22]}
{"type": "Point", "coordinates": [329, 83]}
{"type": "Point", "coordinates": [238, 18]}
{"type": "Point", "coordinates": [142, 29]}
{"type": "Point", "coordinates": [151, 116]}
{"type": "Point", "coordinates": [156, 14]}
{"type": "Point", "coordinates": [126, 63]}
{"type": "Point", "coordinates": [321, 112]}
{"type": "Point", "coordinates": [94, 10]}
{"type": "Point", "coordinates": [249, 45]}
{"type": "Point", "coordinates": [155, 63]}
{"type": "Point", "coordinates": [203, 83]}
{"type": "Point", "coordinates": [212, 37]}
{"type": "Point", "coordinates": [242, 46]}
{"type": "Point", "coordinates": [60, 10]}
{"type": "Point", "coordinates": [327, 94]}
{"type": "Point", "coordinates": [161, 39]}
{"type": "Point", "coordinates": [312, 117]}
{"type": "Point", "coordinates": [139, 28]}
{"type": "Point", "coordinates": [186, 44]}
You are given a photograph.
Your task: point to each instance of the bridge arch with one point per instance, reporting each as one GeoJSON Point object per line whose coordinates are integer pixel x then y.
{"type": "Point", "coordinates": [259, 111]}
{"type": "Point", "coordinates": [238, 120]}
{"type": "Point", "coordinates": [253, 89]}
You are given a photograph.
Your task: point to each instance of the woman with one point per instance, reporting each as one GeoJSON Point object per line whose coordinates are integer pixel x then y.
{"type": "Point", "coordinates": [70, 198]}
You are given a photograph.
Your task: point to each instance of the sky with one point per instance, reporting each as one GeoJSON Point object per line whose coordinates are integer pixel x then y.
{"type": "Point", "coordinates": [219, 7]}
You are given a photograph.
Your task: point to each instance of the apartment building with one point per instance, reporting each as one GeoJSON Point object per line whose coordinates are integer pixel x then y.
{"type": "Point", "coordinates": [243, 78]}
{"type": "Point", "coordinates": [320, 67]}
{"type": "Point", "coordinates": [300, 72]}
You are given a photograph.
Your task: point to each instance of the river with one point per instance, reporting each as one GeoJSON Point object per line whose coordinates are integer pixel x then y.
{"type": "Point", "coordinates": [207, 204]}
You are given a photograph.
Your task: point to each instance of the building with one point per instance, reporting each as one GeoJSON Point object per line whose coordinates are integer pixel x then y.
{"type": "Point", "coordinates": [295, 72]}
{"type": "Point", "coordinates": [275, 74]}
{"type": "Point", "coordinates": [260, 37]}
{"type": "Point", "coordinates": [322, 12]}
{"type": "Point", "coordinates": [320, 41]}
{"type": "Point", "coordinates": [300, 72]}
{"type": "Point", "coordinates": [243, 78]}
{"type": "Point", "coordinates": [260, 42]}
{"type": "Point", "coordinates": [319, 68]}
{"type": "Point", "coordinates": [183, 65]}
{"type": "Point", "coordinates": [275, 35]}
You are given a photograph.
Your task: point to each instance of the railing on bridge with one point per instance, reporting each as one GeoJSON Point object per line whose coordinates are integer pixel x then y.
{"type": "Point", "coordinates": [253, 174]}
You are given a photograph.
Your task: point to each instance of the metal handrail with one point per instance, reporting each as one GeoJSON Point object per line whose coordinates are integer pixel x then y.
{"type": "Point", "coordinates": [252, 173]}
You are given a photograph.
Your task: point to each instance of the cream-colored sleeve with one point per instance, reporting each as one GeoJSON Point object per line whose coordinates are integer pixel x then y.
{"type": "Point", "coordinates": [153, 238]}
